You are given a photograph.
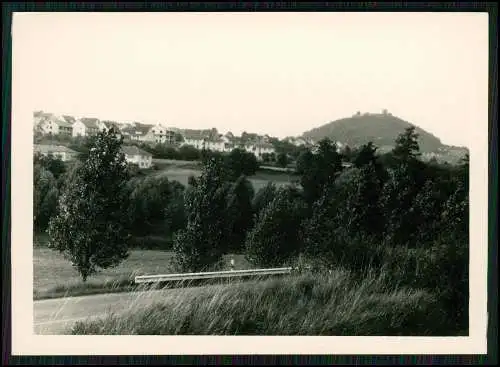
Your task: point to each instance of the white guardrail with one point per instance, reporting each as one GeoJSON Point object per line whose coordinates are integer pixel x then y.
{"type": "Point", "coordinates": [210, 275]}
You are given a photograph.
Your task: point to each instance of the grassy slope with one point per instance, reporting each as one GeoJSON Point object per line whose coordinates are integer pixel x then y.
{"type": "Point", "coordinates": [296, 305]}
{"type": "Point", "coordinates": [382, 130]}
{"type": "Point", "coordinates": [55, 277]}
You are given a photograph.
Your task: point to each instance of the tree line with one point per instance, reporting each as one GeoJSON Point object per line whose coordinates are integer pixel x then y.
{"type": "Point", "coordinates": [394, 213]}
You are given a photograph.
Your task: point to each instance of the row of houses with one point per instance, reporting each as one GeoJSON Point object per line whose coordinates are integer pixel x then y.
{"type": "Point", "coordinates": [50, 124]}
{"type": "Point", "coordinates": [133, 154]}
{"type": "Point", "coordinates": [210, 139]}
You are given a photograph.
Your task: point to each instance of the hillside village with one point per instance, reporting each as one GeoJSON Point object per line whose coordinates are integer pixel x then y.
{"type": "Point", "coordinates": [49, 124]}
{"type": "Point", "coordinates": [380, 128]}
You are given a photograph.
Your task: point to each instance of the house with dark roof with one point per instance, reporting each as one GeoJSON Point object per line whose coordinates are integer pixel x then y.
{"type": "Point", "coordinates": [135, 155]}
{"type": "Point", "coordinates": [136, 131]}
{"type": "Point", "coordinates": [57, 151]}
{"type": "Point", "coordinates": [195, 138]}
{"type": "Point", "coordinates": [86, 126]}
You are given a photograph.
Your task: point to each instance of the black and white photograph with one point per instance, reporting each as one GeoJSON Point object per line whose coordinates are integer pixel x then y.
{"type": "Point", "coordinates": [250, 174]}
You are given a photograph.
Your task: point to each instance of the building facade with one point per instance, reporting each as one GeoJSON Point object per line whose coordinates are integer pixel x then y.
{"type": "Point", "coordinates": [85, 127]}
{"type": "Point", "coordinates": [55, 126]}
{"type": "Point", "coordinates": [61, 152]}
{"type": "Point", "coordinates": [135, 155]}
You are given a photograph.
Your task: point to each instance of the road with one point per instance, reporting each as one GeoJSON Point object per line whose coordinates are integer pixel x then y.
{"type": "Point", "coordinates": [56, 316]}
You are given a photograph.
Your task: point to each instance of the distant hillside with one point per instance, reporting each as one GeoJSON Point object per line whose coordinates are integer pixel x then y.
{"type": "Point", "coordinates": [382, 129]}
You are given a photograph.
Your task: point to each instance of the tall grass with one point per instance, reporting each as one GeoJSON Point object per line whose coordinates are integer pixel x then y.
{"type": "Point", "coordinates": [307, 304]}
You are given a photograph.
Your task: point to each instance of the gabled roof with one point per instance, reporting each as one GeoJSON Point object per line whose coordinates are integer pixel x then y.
{"type": "Point", "coordinates": [133, 150]}
{"type": "Point", "coordinates": [236, 140]}
{"type": "Point", "coordinates": [56, 120]}
{"type": "Point", "coordinates": [62, 123]}
{"type": "Point", "coordinates": [164, 128]}
{"type": "Point", "coordinates": [90, 122]}
{"type": "Point", "coordinates": [46, 148]}
{"type": "Point", "coordinates": [215, 140]}
{"type": "Point", "coordinates": [192, 134]}
{"type": "Point", "coordinates": [69, 119]}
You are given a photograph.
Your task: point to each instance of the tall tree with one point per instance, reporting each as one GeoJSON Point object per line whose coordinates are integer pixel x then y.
{"type": "Point", "coordinates": [45, 196]}
{"type": "Point", "coordinates": [239, 213]}
{"type": "Point", "coordinates": [90, 227]}
{"type": "Point", "coordinates": [407, 176]}
{"type": "Point", "coordinates": [202, 243]}
{"type": "Point", "coordinates": [319, 169]}
{"type": "Point", "coordinates": [366, 156]}
{"type": "Point", "coordinates": [282, 160]}
{"type": "Point", "coordinates": [239, 162]}
{"type": "Point", "coordinates": [264, 196]}
{"type": "Point", "coordinates": [345, 215]}
{"type": "Point", "coordinates": [407, 148]}
{"type": "Point", "coordinates": [275, 238]}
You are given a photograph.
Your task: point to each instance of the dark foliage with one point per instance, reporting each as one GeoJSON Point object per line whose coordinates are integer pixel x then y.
{"type": "Point", "coordinates": [90, 228]}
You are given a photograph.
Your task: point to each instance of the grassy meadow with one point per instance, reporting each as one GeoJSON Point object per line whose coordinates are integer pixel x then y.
{"type": "Point", "coordinates": [53, 275]}
{"type": "Point", "coordinates": [330, 304]}
{"type": "Point", "coordinates": [181, 170]}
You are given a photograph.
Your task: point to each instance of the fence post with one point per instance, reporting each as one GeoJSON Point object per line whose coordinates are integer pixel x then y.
{"type": "Point", "coordinates": [232, 265]}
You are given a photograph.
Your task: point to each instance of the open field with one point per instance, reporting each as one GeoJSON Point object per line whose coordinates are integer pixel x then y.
{"type": "Point", "coordinates": [333, 304]}
{"type": "Point", "coordinates": [162, 164]}
{"type": "Point", "coordinates": [259, 180]}
{"type": "Point", "coordinates": [55, 277]}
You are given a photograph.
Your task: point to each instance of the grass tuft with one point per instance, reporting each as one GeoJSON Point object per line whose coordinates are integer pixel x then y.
{"type": "Point", "coordinates": [333, 304]}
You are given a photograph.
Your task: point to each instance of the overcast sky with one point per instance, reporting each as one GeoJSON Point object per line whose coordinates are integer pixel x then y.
{"type": "Point", "coordinates": [275, 73]}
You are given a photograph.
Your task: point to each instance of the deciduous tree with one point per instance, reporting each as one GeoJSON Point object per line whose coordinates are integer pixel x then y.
{"type": "Point", "coordinates": [90, 227]}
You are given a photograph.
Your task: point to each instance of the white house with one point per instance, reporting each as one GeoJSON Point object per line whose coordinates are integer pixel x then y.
{"type": "Point", "coordinates": [217, 144]}
{"type": "Point", "coordinates": [85, 127]}
{"type": "Point", "coordinates": [137, 156]}
{"type": "Point", "coordinates": [160, 134]}
{"type": "Point", "coordinates": [265, 148]}
{"type": "Point", "coordinates": [229, 142]}
{"type": "Point", "coordinates": [258, 149]}
{"type": "Point", "coordinates": [54, 125]}
{"type": "Point", "coordinates": [195, 138]}
{"type": "Point", "coordinates": [57, 151]}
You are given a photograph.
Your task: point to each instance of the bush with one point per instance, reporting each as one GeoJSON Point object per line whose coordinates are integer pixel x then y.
{"type": "Point", "coordinates": [189, 153]}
